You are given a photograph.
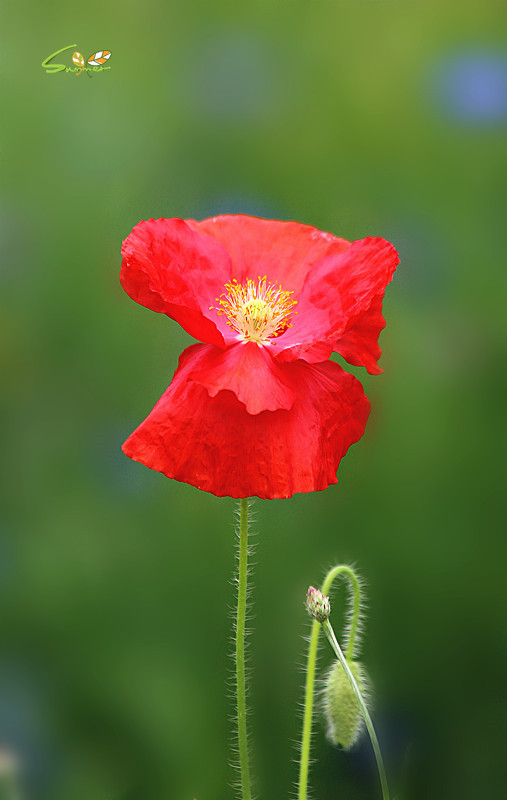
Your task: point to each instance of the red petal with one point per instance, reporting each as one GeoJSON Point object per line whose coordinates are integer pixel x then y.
{"type": "Point", "coordinates": [247, 370]}
{"type": "Point", "coordinates": [283, 251]}
{"type": "Point", "coordinates": [359, 344]}
{"type": "Point", "coordinates": [171, 269]}
{"type": "Point", "coordinates": [338, 292]}
{"type": "Point", "coordinates": [215, 444]}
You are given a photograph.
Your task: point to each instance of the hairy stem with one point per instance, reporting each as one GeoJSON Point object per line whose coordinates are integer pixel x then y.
{"type": "Point", "coordinates": [328, 630]}
{"type": "Point", "coordinates": [304, 759]}
{"type": "Point", "coordinates": [356, 603]}
{"type": "Point", "coordinates": [240, 651]}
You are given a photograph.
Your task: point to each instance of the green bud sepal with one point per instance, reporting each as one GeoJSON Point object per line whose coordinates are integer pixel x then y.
{"type": "Point", "coordinates": [317, 604]}
{"type": "Point", "coordinates": [341, 707]}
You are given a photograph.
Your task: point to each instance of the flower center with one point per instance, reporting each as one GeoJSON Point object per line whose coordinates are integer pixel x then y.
{"type": "Point", "coordinates": [257, 310]}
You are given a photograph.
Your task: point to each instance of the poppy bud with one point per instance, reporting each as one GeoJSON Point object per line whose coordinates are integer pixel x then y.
{"type": "Point", "coordinates": [317, 604]}
{"type": "Point", "coordinates": [343, 713]}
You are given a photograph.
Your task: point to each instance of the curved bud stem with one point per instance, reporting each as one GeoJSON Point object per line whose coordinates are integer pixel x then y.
{"type": "Point", "coordinates": [328, 630]}
{"type": "Point", "coordinates": [304, 759]}
{"type": "Point", "coordinates": [356, 602]}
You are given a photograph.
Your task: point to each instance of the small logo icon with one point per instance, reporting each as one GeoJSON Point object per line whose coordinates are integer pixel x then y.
{"type": "Point", "coordinates": [79, 61]}
{"type": "Point", "coordinates": [99, 58]}
{"type": "Point", "coordinates": [97, 62]}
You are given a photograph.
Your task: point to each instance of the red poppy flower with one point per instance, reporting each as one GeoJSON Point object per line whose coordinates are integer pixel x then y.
{"type": "Point", "coordinates": [258, 408]}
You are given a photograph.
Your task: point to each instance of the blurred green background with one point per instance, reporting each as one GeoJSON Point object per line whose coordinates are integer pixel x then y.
{"type": "Point", "coordinates": [361, 118]}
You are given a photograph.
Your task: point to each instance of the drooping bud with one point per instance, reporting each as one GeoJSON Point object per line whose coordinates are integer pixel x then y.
{"type": "Point", "coordinates": [343, 713]}
{"type": "Point", "coordinates": [317, 604]}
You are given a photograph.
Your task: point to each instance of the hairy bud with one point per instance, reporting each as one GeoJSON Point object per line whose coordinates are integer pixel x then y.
{"type": "Point", "coordinates": [343, 713]}
{"type": "Point", "coordinates": [317, 604]}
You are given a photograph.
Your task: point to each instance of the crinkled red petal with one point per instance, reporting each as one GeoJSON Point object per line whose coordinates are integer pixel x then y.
{"type": "Point", "coordinates": [338, 292]}
{"type": "Point", "coordinates": [283, 251]}
{"type": "Point", "coordinates": [359, 344]}
{"type": "Point", "coordinates": [170, 268]}
{"type": "Point", "coordinates": [247, 370]}
{"type": "Point", "coordinates": [214, 444]}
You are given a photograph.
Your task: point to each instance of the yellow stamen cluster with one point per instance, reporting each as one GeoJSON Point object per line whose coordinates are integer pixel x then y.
{"type": "Point", "coordinates": [258, 311]}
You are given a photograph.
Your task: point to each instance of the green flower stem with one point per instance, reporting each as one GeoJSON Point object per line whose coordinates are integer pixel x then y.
{"type": "Point", "coordinates": [328, 630]}
{"type": "Point", "coordinates": [246, 793]}
{"type": "Point", "coordinates": [304, 759]}
{"type": "Point", "coordinates": [356, 603]}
